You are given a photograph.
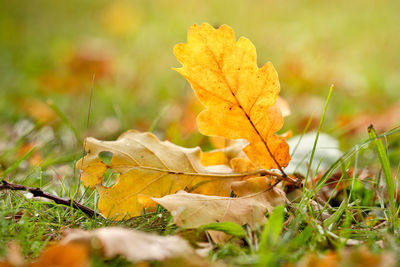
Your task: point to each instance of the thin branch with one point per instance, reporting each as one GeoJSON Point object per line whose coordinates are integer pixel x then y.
{"type": "Point", "coordinates": [37, 192]}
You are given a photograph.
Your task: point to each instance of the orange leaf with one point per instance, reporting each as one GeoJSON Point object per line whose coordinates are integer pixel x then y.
{"type": "Point", "coordinates": [70, 255]}
{"type": "Point", "coordinates": [240, 98]}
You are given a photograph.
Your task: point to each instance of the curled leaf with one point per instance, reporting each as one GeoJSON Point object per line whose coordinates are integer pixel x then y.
{"type": "Point", "coordinates": [148, 168]}
{"type": "Point", "coordinates": [194, 210]}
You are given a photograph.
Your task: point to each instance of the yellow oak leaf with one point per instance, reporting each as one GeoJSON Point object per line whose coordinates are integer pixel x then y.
{"type": "Point", "coordinates": [242, 165]}
{"type": "Point", "coordinates": [68, 255]}
{"type": "Point", "coordinates": [239, 97]}
{"type": "Point", "coordinates": [232, 150]}
{"type": "Point", "coordinates": [148, 167]}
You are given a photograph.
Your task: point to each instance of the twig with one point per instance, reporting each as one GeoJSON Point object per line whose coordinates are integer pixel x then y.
{"type": "Point", "coordinates": [37, 192]}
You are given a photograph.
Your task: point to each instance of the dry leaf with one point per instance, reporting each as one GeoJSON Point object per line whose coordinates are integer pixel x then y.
{"type": "Point", "coordinates": [239, 97]}
{"type": "Point", "coordinates": [14, 255]}
{"type": "Point", "coordinates": [66, 255]}
{"type": "Point", "coordinates": [75, 73]}
{"type": "Point", "coordinates": [36, 157]}
{"type": "Point", "coordinates": [194, 210]}
{"type": "Point", "coordinates": [358, 257]}
{"type": "Point", "coordinates": [233, 149]}
{"type": "Point", "coordinates": [242, 165]}
{"type": "Point", "coordinates": [132, 244]}
{"type": "Point", "coordinates": [38, 110]}
{"type": "Point", "coordinates": [384, 121]}
{"type": "Point", "coordinates": [149, 167]}
{"type": "Point", "coordinates": [312, 260]}
{"type": "Point", "coordinates": [253, 185]}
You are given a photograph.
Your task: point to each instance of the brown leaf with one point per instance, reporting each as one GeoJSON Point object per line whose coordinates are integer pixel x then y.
{"type": "Point", "coordinates": [38, 110]}
{"type": "Point", "coordinates": [194, 210]}
{"type": "Point", "coordinates": [233, 149]}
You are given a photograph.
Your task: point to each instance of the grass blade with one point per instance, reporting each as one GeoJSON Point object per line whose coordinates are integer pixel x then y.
{"type": "Point", "coordinates": [387, 172]}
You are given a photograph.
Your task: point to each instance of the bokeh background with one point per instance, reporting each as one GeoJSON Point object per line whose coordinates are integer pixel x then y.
{"type": "Point", "coordinates": [52, 53]}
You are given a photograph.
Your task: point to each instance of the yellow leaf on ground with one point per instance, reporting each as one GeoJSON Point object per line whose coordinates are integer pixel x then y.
{"type": "Point", "coordinates": [242, 165]}
{"type": "Point", "coordinates": [38, 110]}
{"type": "Point", "coordinates": [223, 155]}
{"type": "Point", "coordinates": [149, 167]}
{"type": "Point", "coordinates": [240, 98]}
{"type": "Point", "coordinates": [254, 185]}
{"type": "Point", "coordinates": [353, 256]}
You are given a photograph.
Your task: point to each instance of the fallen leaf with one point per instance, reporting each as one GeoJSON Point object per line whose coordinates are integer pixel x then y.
{"type": "Point", "coordinates": [5, 264]}
{"type": "Point", "coordinates": [38, 110]}
{"type": "Point", "coordinates": [149, 167]}
{"type": "Point", "coordinates": [334, 185]}
{"type": "Point", "coordinates": [255, 185]}
{"type": "Point", "coordinates": [242, 165]}
{"type": "Point", "coordinates": [363, 257]}
{"type": "Point", "coordinates": [75, 74]}
{"type": "Point", "coordinates": [312, 260]}
{"type": "Point", "coordinates": [63, 255]}
{"type": "Point", "coordinates": [358, 257]}
{"type": "Point", "coordinates": [232, 150]}
{"type": "Point", "coordinates": [36, 158]}
{"type": "Point", "coordinates": [133, 245]}
{"type": "Point", "coordinates": [218, 141]}
{"type": "Point", "coordinates": [194, 210]}
{"type": "Point", "coordinates": [240, 98]}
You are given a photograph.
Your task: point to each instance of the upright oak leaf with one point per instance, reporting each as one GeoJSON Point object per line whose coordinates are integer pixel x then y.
{"type": "Point", "coordinates": [149, 168]}
{"type": "Point", "coordinates": [239, 97]}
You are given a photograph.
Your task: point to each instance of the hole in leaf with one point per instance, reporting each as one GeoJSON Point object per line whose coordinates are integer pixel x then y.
{"type": "Point", "coordinates": [110, 178]}
{"type": "Point", "coordinates": [106, 157]}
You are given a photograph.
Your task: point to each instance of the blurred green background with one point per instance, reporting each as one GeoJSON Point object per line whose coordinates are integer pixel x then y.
{"type": "Point", "coordinates": [54, 52]}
